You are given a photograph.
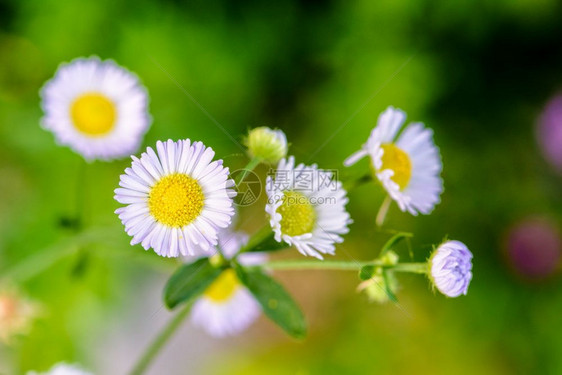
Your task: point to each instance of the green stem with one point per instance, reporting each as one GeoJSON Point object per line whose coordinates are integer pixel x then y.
{"type": "Point", "coordinates": [352, 184]}
{"type": "Point", "coordinates": [314, 265]}
{"type": "Point", "coordinates": [257, 238]}
{"type": "Point", "coordinates": [288, 265]}
{"type": "Point", "coordinates": [383, 211]}
{"type": "Point", "coordinates": [252, 164]}
{"type": "Point", "coordinates": [156, 346]}
{"type": "Point", "coordinates": [411, 267]}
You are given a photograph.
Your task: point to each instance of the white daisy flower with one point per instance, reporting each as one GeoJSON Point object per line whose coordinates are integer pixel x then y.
{"type": "Point", "coordinates": [177, 199]}
{"type": "Point", "coordinates": [227, 307]}
{"type": "Point", "coordinates": [408, 166]}
{"type": "Point", "coordinates": [62, 369]}
{"type": "Point", "coordinates": [97, 108]}
{"type": "Point", "coordinates": [306, 207]}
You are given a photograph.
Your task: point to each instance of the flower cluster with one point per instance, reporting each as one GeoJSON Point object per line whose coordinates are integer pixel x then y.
{"type": "Point", "coordinates": [178, 201]}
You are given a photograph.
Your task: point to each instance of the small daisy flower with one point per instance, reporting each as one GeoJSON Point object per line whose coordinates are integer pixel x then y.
{"type": "Point", "coordinates": [306, 208]}
{"type": "Point", "coordinates": [267, 144]}
{"type": "Point", "coordinates": [408, 166]}
{"type": "Point", "coordinates": [451, 268]}
{"type": "Point", "coordinates": [62, 369]}
{"type": "Point", "coordinates": [177, 198]}
{"type": "Point", "coordinates": [227, 308]}
{"type": "Point", "coordinates": [97, 108]}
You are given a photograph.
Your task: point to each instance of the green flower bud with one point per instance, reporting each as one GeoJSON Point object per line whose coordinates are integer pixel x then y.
{"type": "Point", "coordinates": [266, 144]}
{"type": "Point", "coordinates": [375, 287]}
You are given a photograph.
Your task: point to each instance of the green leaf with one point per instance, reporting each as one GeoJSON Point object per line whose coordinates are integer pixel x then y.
{"type": "Point", "coordinates": [387, 287]}
{"type": "Point", "coordinates": [393, 241]}
{"type": "Point", "coordinates": [189, 281]}
{"type": "Point", "coordinates": [263, 240]}
{"type": "Point", "coordinates": [366, 272]}
{"type": "Point", "coordinates": [277, 304]}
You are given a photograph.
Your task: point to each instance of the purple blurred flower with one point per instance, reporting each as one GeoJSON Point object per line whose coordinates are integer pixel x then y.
{"type": "Point", "coordinates": [534, 248]}
{"type": "Point", "coordinates": [451, 266]}
{"type": "Point", "coordinates": [549, 132]}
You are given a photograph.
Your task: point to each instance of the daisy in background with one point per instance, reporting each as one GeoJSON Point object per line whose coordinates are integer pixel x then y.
{"type": "Point", "coordinates": [62, 369]}
{"type": "Point", "coordinates": [408, 165]}
{"type": "Point", "coordinates": [177, 198]}
{"type": "Point", "coordinates": [227, 307]}
{"type": "Point", "coordinates": [306, 208]}
{"type": "Point", "coordinates": [97, 108]}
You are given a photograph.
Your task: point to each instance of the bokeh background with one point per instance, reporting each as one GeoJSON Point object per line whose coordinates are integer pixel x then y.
{"type": "Point", "coordinates": [479, 73]}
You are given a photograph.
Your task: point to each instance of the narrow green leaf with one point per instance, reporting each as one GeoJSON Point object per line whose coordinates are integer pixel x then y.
{"type": "Point", "coordinates": [277, 304]}
{"type": "Point", "coordinates": [388, 290]}
{"type": "Point", "coordinates": [366, 272]}
{"type": "Point", "coordinates": [189, 281]}
{"type": "Point", "coordinates": [393, 241]}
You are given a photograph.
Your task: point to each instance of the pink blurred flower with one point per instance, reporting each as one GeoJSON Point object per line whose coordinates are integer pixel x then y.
{"type": "Point", "coordinates": [533, 248]}
{"type": "Point", "coordinates": [549, 132]}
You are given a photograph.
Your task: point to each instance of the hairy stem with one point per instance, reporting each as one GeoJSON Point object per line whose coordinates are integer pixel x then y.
{"type": "Point", "coordinates": [252, 164]}
{"type": "Point", "coordinates": [288, 265]}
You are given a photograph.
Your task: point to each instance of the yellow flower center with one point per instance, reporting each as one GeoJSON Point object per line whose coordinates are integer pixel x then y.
{"type": "Point", "coordinates": [93, 114]}
{"type": "Point", "coordinates": [223, 287]}
{"type": "Point", "coordinates": [298, 215]}
{"type": "Point", "coordinates": [176, 200]}
{"type": "Point", "coordinates": [396, 159]}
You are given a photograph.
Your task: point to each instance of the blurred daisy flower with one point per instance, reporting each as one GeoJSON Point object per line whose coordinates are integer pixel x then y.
{"type": "Point", "coordinates": [306, 208]}
{"type": "Point", "coordinates": [549, 132]}
{"type": "Point", "coordinates": [227, 308]}
{"type": "Point", "coordinates": [97, 108]}
{"type": "Point", "coordinates": [267, 144]}
{"type": "Point", "coordinates": [408, 165]}
{"type": "Point", "coordinates": [16, 314]}
{"type": "Point", "coordinates": [62, 369]}
{"type": "Point", "coordinates": [177, 198]}
{"type": "Point", "coordinates": [450, 268]}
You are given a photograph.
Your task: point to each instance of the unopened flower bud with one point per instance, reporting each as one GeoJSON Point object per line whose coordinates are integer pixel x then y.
{"type": "Point", "coordinates": [451, 268]}
{"type": "Point", "coordinates": [376, 288]}
{"type": "Point", "coordinates": [267, 144]}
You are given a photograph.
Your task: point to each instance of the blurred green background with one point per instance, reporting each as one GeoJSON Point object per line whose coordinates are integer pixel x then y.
{"type": "Point", "coordinates": [478, 73]}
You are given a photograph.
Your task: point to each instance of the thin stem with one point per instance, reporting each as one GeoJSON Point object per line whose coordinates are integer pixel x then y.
{"type": "Point", "coordinates": [316, 265]}
{"type": "Point", "coordinates": [383, 211]}
{"type": "Point", "coordinates": [411, 267]}
{"type": "Point", "coordinates": [352, 184]}
{"type": "Point", "coordinates": [252, 164]}
{"type": "Point", "coordinates": [293, 265]}
{"type": "Point", "coordinates": [156, 346]}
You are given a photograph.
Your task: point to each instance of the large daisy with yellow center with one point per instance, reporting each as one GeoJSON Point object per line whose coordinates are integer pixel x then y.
{"type": "Point", "coordinates": [97, 108]}
{"type": "Point", "coordinates": [227, 308]}
{"type": "Point", "coordinates": [177, 198]}
{"type": "Point", "coordinates": [408, 165]}
{"type": "Point", "coordinates": [306, 208]}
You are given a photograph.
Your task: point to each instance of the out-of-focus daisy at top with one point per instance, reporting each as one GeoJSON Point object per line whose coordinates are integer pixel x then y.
{"type": "Point", "coordinates": [407, 165]}
{"type": "Point", "coordinates": [97, 108]}
{"type": "Point", "coordinates": [306, 208]}
{"type": "Point", "coordinates": [227, 307]}
{"type": "Point", "coordinates": [62, 369]}
{"type": "Point", "coordinates": [177, 198]}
